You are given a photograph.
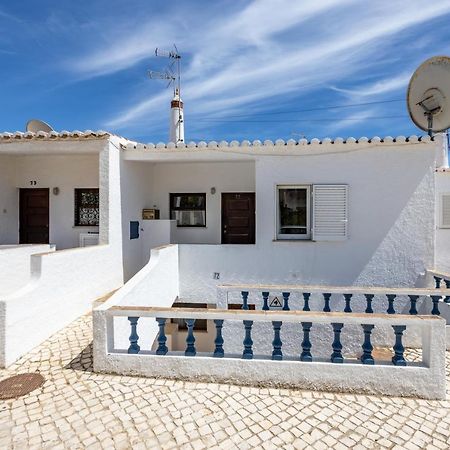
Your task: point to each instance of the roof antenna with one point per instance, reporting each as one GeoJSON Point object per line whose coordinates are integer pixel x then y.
{"type": "Point", "coordinates": [172, 73]}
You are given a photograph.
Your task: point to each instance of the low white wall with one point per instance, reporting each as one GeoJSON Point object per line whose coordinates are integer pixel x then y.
{"type": "Point", "coordinates": [426, 379]}
{"type": "Point", "coordinates": [15, 265]}
{"type": "Point", "coordinates": [62, 287]}
{"type": "Point", "coordinates": [156, 233]}
{"type": "Point", "coordinates": [64, 283]}
{"type": "Point", "coordinates": [156, 284]}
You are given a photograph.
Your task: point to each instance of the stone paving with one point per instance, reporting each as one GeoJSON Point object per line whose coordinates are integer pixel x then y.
{"type": "Point", "coordinates": [78, 409]}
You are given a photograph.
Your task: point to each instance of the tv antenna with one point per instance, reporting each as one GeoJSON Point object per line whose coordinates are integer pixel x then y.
{"type": "Point", "coordinates": [428, 96]}
{"type": "Point", "coordinates": [172, 74]}
{"type": "Point", "coordinates": [174, 78]}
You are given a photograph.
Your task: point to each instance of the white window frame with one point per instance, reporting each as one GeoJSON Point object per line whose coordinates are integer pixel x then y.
{"type": "Point", "coordinates": [441, 211]}
{"type": "Point", "coordinates": [296, 237]}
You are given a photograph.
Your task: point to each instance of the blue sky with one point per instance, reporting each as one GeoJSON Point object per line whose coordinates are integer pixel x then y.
{"type": "Point", "coordinates": [251, 69]}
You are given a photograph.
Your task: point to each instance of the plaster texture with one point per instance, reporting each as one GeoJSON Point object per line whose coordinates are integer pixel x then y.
{"type": "Point", "coordinates": [60, 169]}
{"type": "Point", "coordinates": [63, 284]}
{"type": "Point", "coordinates": [427, 381]}
{"type": "Point", "coordinates": [15, 265]}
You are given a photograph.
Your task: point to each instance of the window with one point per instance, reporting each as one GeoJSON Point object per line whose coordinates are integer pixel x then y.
{"type": "Point", "coordinates": [87, 211]}
{"type": "Point", "coordinates": [445, 211]}
{"type": "Point", "coordinates": [189, 210]}
{"type": "Point", "coordinates": [199, 324]}
{"type": "Point", "coordinates": [318, 212]}
{"type": "Point", "coordinates": [293, 212]}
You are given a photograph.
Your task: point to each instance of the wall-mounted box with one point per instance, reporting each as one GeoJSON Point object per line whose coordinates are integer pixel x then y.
{"type": "Point", "coordinates": [150, 214]}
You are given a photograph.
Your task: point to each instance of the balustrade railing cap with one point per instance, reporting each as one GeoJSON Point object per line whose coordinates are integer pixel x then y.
{"type": "Point", "coordinates": [357, 290]}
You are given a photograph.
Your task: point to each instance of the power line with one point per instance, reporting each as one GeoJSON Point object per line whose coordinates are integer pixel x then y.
{"type": "Point", "coordinates": [334, 119]}
{"type": "Point", "coordinates": [322, 108]}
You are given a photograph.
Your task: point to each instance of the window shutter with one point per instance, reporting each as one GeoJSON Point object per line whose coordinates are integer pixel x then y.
{"type": "Point", "coordinates": [330, 206]}
{"type": "Point", "coordinates": [445, 211]}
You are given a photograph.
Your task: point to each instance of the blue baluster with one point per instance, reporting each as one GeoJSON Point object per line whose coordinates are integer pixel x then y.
{"type": "Point", "coordinates": [435, 299]}
{"type": "Point", "coordinates": [369, 298]}
{"type": "Point", "coordinates": [134, 347]}
{"type": "Point", "coordinates": [244, 295]}
{"type": "Point", "coordinates": [347, 308]}
{"type": "Point", "coordinates": [306, 296]}
{"type": "Point", "coordinates": [218, 351]}
{"type": "Point", "coordinates": [306, 343]}
{"type": "Point", "coordinates": [398, 358]}
{"type": "Point", "coordinates": [391, 298]}
{"type": "Point", "coordinates": [413, 300]}
{"type": "Point", "coordinates": [286, 301]}
{"type": "Point", "coordinates": [326, 306]}
{"type": "Point", "coordinates": [366, 357]}
{"type": "Point", "coordinates": [162, 348]}
{"type": "Point", "coordinates": [248, 343]}
{"type": "Point", "coordinates": [190, 339]}
{"type": "Point", "coordinates": [447, 285]}
{"type": "Point", "coordinates": [265, 296]}
{"type": "Point", "coordinates": [336, 356]}
{"type": "Point", "coordinates": [277, 343]}
{"type": "Point", "coordinates": [437, 281]}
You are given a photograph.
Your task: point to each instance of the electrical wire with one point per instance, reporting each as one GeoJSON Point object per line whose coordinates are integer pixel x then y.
{"type": "Point", "coordinates": [335, 119]}
{"type": "Point", "coordinates": [321, 108]}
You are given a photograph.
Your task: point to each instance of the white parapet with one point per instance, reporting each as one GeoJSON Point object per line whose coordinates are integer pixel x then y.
{"type": "Point", "coordinates": [424, 379]}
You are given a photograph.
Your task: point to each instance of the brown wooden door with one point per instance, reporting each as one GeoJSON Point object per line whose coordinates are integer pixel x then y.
{"type": "Point", "coordinates": [34, 216]}
{"type": "Point", "coordinates": [238, 218]}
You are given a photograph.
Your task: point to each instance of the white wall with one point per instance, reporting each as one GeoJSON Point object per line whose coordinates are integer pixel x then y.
{"type": "Point", "coordinates": [147, 185]}
{"type": "Point", "coordinates": [442, 260]}
{"type": "Point", "coordinates": [66, 172]}
{"type": "Point", "coordinates": [15, 265]}
{"type": "Point", "coordinates": [391, 226]}
{"type": "Point", "coordinates": [64, 284]}
{"type": "Point", "coordinates": [9, 217]}
{"type": "Point", "coordinates": [198, 178]}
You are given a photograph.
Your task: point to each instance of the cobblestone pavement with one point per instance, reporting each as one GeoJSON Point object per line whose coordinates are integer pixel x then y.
{"type": "Point", "coordinates": [76, 409]}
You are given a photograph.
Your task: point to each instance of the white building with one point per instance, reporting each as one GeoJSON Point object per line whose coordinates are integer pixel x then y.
{"type": "Point", "coordinates": [339, 213]}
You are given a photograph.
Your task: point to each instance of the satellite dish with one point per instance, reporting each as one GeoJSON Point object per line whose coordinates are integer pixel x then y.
{"type": "Point", "coordinates": [36, 125]}
{"type": "Point", "coordinates": [428, 96]}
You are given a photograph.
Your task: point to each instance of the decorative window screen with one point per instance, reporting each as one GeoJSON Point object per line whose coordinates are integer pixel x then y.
{"type": "Point", "coordinates": [445, 211]}
{"type": "Point", "coordinates": [330, 212]}
{"type": "Point", "coordinates": [189, 210]}
{"type": "Point", "coordinates": [87, 210]}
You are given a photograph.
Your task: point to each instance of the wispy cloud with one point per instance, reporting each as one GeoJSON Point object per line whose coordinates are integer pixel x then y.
{"type": "Point", "coordinates": [264, 62]}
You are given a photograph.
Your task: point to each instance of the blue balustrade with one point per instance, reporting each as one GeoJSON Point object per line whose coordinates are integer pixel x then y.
{"type": "Point", "coordinates": [244, 295]}
{"type": "Point", "coordinates": [134, 347]}
{"type": "Point", "coordinates": [326, 306]}
{"type": "Point", "coordinates": [162, 348]}
{"type": "Point", "coordinates": [218, 342]}
{"type": "Point", "coordinates": [348, 308]}
{"type": "Point", "coordinates": [190, 339]}
{"type": "Point", "coordinates": [366, 357]}
{"type": "Point", "coordinates": [435, 299]}
{"type": "Point", "coordinates": [265, 296]}
{"type": "Point", "coordinates": [398, 359]}
{"type": "Point", "coordinates": [391, 298]}
{"type": "Point", "coordinates": [336, 356]}
{"type": "Point", "coordinates": [277, 354]}
{"type": "Point", "coordinates": [413, 300]}
{"type": "Point", "coordinates": [437, 281]}
{"type": "Point", "coordinates": [286, 301]}
{"type": "Point", "coordinates": [248, 343]}
{"type": "Point", "coordinates": [369, 299]}
{"type": "Point", "coordinates": [306, 343]}
{"type": "Point", "coordinates": [447, 285]}
{"type": "Point", "coordinates": [306, 296]}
